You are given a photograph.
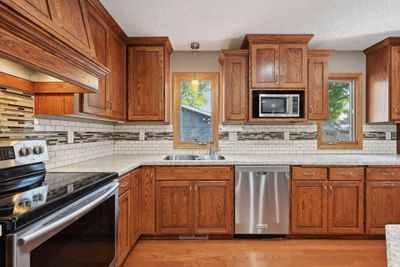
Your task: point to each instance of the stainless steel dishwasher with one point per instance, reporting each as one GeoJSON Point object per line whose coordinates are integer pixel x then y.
{"type": "Point", "coordinates": [262, 200]}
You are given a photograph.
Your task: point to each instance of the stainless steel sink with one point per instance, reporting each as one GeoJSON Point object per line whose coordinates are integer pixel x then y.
{"type": "Point", "coordinates": [192, 157]}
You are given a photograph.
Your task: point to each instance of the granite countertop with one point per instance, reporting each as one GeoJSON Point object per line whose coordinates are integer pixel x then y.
{"type": "Point", "coordinates": [125, 163]}
{"type": "Point", "coordinates": [393, 245]}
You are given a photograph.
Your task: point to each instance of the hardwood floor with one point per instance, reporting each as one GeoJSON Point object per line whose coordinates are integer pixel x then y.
{"type": "Point", "coordinates": [257, 253]}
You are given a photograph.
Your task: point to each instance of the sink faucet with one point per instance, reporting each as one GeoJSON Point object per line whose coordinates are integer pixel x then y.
{"type": "Point", "coordinates": [212, 151]}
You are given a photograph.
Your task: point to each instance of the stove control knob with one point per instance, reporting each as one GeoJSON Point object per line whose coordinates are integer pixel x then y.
{"type": "Point", "coordinates": [38, 149]}
{"type": "Point", "coordinates": [25, 151]}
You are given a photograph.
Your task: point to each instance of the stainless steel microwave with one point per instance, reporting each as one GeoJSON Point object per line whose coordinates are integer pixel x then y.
{"type": "Point", "coordinates": [279, 105]}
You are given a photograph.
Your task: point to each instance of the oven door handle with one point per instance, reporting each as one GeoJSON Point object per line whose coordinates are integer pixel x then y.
{"type": "Point", "coordinates": [65, 219]}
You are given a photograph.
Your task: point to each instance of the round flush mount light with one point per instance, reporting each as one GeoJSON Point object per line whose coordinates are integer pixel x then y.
{"type": "Point", "coordinates": [194, 45]}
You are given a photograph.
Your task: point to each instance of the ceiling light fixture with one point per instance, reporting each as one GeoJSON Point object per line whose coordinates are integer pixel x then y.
{"type": "Point", "coordinates": [195, 46]}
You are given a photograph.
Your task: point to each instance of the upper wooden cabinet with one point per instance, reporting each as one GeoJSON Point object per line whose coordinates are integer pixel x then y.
{"type": "Point", "coordinates": [235, 84]}
{"type": "Point", "coordinates": [277, 61]}
{"type": "Point", "coordinates": [318, 84]}
{"type": "Point", "coordinates": [383, 81]}
{"type": "Point", "coordinates": [52, 36]}
{"type": "Point", "coordinates": [148, 79]}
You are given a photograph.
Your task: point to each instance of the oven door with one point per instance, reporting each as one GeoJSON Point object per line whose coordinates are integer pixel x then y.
{"type": "Point", "coordinates": [82, 234]}
{"type": "Point", "coordinates": [273, 105]}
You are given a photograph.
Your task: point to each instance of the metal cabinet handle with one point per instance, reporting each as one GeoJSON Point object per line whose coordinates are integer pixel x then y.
{"type": "Point", "coordinates": [331, 188]}
{"type": "Point", "coordinates": [325, 188]}
{"type": "Point", "coordinates": [388, 173]}
{"type": "Point", "coordinates": [346, 174]}
{"type": "Point", "coordinates": [123, 184]}
{"type": "Point", "coordinates": [190, 188]}
{"type": "Point", "coordinates": [308, 173]}
{"type": "Point", "coordinates": [111, 105]}
{"type": "Point", "coordinates": [387, 184]}
{"type": "Point", "coordinates": [277, 78]}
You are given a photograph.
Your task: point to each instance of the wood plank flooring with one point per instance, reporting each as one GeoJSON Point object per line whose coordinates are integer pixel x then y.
{"type": "Point", "coordinates": [257, 253]}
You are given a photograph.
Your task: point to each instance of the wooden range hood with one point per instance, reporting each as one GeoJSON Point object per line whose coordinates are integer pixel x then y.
{"type": "Point", "coordinates": [50, 42]}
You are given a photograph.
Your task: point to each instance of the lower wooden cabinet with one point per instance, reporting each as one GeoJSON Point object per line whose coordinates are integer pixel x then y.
{"type": "Point", "coordinates": [190, 206]}
{"type": "Point", "coordinates": [174, 207]}
{"type": "Point", "coordinates": [213, 207]}
{"type": "Point", "coordinates": [309, 202]}
{"type": "Point", "coordinates": [382, 205]}
{"type": "Point", "coordinates": [135, 204]}
{"type": "Point", "coordinates": [124, 225]}
{"type": "Point", "coordinates": [185, 207]}
{"type": "Point", "coordinates": [327, 207]}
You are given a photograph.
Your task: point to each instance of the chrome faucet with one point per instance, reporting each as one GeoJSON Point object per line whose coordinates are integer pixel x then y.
{"type": "Point", "coordinates": [212, 151]}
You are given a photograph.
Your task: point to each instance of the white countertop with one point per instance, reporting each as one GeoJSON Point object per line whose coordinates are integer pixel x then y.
{"type": "Point", "coordinates": [125, 163]}
{"type": "Point", "coordinates": [393, 245]}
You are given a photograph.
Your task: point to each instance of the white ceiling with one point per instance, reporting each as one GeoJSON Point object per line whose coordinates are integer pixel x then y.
{"type": "Point", "coordinates": [218, 24]}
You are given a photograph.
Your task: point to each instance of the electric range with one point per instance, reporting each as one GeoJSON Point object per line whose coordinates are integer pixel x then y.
{"type": "Point", "coordinates": [35, 206]}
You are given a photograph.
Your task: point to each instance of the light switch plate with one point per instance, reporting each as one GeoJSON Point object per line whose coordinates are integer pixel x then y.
{"type": "Point", "coordinates": [70, 137]}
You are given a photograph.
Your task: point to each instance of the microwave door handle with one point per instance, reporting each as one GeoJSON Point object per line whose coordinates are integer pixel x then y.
{"type": "Point", "coordinates": [64, 220]}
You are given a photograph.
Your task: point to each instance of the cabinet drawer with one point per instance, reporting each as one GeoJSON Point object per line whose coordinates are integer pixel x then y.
{"type": "Point", "coordinates": [124, 183]}
{"type": "Point", "coordinates": [382, 173]}
{"type": "Point", "coordinates": [309, 173]}
{"type": "Point", "coordinates": [190, 173]}
{"type": "Point", "coordinates": [346, 173]}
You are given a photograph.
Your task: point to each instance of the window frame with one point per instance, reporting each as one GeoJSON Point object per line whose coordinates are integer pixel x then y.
{"type": "Point", "coordinates": [358, 143]}
{"type": "Point", "coordinates": [209, 76]}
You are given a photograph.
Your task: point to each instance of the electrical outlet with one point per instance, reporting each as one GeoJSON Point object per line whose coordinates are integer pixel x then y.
{"type": "Point", "coordinates": [70, 137]}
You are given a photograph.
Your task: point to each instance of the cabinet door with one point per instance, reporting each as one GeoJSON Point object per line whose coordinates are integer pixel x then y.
{"type": "Point", "coordinates": [116, 89]}
{"type": "Point", "coordinates": [124, 225]}
{"type": "Point", "coordinates": [309, 207]}
{"type": "Point", "coordinates": [293, 66]}
{"type": "Point", "coordinates": [148, 179]}
{"type": "Point", "coordinates": [346, 207]}
{"type": "Point", "coordinates": [235, 88]}
{"type": "Point", "coordinates": [395, 84]}
{"type": "Point", "coordinates": [264, 65]}
{"type": "Point", "coordinates": [135, 212]}
{"type": "Point", "coordinates": [146, 84]}
{"type": "Point", "coordinates": [97, 104]}
{"type": "Point", "coordinates": [174, 207]}
{"type": "Point", "coordinates": [318, 88]}
{"type": "Point", "coordinates": [213, 208]}
{"type": "Point", "coordinates": [382, 205]}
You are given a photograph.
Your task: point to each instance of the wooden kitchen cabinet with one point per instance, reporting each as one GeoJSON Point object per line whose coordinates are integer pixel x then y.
{"type": "Point", "coordinates": [318, 84]}
{"type": "Point", "coordinates": [174, 212]}
{"type": "Point", "coordinates": [110, 101]}
{"type": "Point", "coordinates": [124, 226]}
{"type": "Point", "coordinates": [148, 79]}
{"type": "Point", "coordinates": [213, 207]}
{"type": "Point", "coordinates": [309, 204]}
{"type": "Point", "coordinates": [383, 81]}
{"type": "Point", "coordinates": [147, 201]}
{"type": "Point", "coordinates": [277, 61]}
{"type": "Point", "coordinates": [346, 207]}
{"type": "Point", "coordinates": [194, 206]}
{"type": "Point", "coordinates": [235, 85]}
{"type": "Point", "coordinates": [382, 197]}
{"type": "Point", "coordinates": [328, 205]}
{"type": "Point", "coordinates": [135, 205]}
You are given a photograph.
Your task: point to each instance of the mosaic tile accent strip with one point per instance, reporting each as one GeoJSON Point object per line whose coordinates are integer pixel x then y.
{"type": "Point", "coordinates": [303, 136]}
{"type": "Point", "coordinates": [223, 136]}
{"type": "Point", "coordinates": [127, 136]}
{"type": "Point", "coordinates": [374, 135]}
{"type": "Point", "coordinates": [244, 136]}
{"type": "Point", "coordinates": [16, 113]}
{"type": "Point", "coordinates": [91, 137]}
{"type": "Point", "coordinates": [159, 136]}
